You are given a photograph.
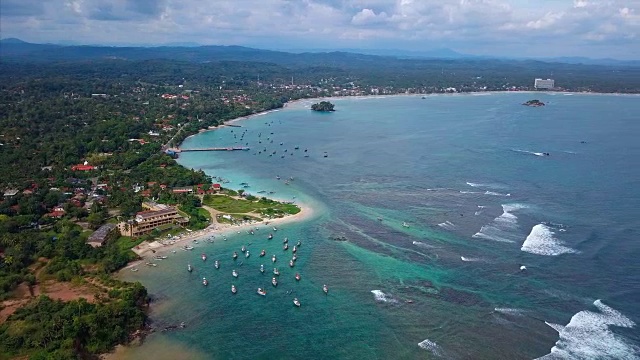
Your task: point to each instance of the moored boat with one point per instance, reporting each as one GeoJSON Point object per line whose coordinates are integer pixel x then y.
{"type": "Point", "coordinates": [204, 257]}
{"type": "Point", "coordinates": [262, 253]}
{"type": "Point", "coordinates": [189, 268]}
{"type": "Point", "coordinates": [296, 302]}
{"type": "Point", "coordinates": [235, 255]}
{"type": "Point", "coordinates": [273, 258]}
{"type": "Point", "coordinates": [325, 289]}
{"type": "Point", "coordinates": [270, 237]}
{"type": "Point", "coordinates": [246, 254]}
{"type": "Point", "coordinates": [262, 268]}
{"type": "Point", "coordinates": [233, 289]}
{"type": "Point", "coordinates": [275, 229]}
{"type": "Point", "coordinates": [274, 282]}
{"type": "Point", "coordinates": [295, 248]}
{"type": "Point", "coordinates": [205, 282]}
{"type": "Point", "coordinates": [299, 243]}
{"type": "Point", "coordinates": [285, 247]}
{"type": "Point", "coordinates": [243, 249]}
{"type": "Point", "coordinates": [234, 273]}
{"type": "Point", "coordinates": [294, 258]}
{"type": "Point", "coordinates": [261, 292]}
{"type": "Point", "coordinates": [276, 272]}
{"type": "Point", "coordinates": [298, 277]}
{"type": "Point", "coordinates": [291, 263]}
{"type": "Point", "coordinates": [404, 224]}
{"type": "Point", "coordinates": [216, 264]}
{"type": "Point", "coordinates": [286, 240]}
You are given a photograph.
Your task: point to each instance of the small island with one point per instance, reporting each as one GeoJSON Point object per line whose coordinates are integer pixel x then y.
{"type": "Point", "coordinates": [534, 103]}
{"type": "Point", "coordinates": [323, 106]}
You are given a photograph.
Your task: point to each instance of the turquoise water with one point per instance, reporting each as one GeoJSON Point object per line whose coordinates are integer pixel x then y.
{"type": "Point", "coordinates": [469, 176]}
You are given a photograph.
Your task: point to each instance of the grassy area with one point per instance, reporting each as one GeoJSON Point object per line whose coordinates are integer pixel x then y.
{"type": "Point", "coordinates": [126, 242]}
{"type": "Point", "coordinates": [204, 213]}
{"type": "Point", "coordinates": [263, 206]}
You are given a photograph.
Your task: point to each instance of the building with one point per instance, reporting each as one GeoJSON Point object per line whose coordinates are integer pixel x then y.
{"type": "Point", "coordinates": [99, 237]}
{"type": "Point", "coordinates": [146, 221]}
{"type": "Point", "coordinates": [544, 84]}
{"type": "Point", "coordinates": [10, 192]}
{"type": "Point", "coordinates": [82, 167]}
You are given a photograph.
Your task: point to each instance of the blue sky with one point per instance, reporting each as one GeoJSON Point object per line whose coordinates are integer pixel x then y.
{"type": "Point", "coordinates": [540, 28]}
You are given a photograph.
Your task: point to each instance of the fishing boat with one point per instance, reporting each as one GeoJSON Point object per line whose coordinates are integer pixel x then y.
{"type": "Point", "coordinates": [270, 236]}
{"type": "Point", "coordinates": [285, 247]}
{"type": "Point", "coordinates": [273, 258]}
{"type": "Point", "coordinates": [291, 263]}
{"type": "Point", "coordinates": [295, 248]}
{"type": "Point", "coordinates": [262, 269]}
{"type": "Point", "coordinates": [189, 268]}
{"type": "Point", "coordinates": [217, 264]}
{"type": "Point", "coordinates": [325, 289]}
{"type": "Point", "coordinates": [205, 282]}
{"type": "Point", "coordinates": [276, 272]}
{"type": "Point", "coordinates": [204, 257]}
{"type": "Point", "coordinates": [243, 249]}
{"type": "Point", "coordinates": [296, 302]}
{"type": "Point", "coordinates": [299, 243]}
{"type": "Point", "coordinates": [274, 282]}
{"type": "Point", "coordinates": [235, 255]}
{"type": "Point", "coordinates": [297, 277]}
{"type": "Point", "coordinates": [286, 240]}
{"type": "Point", "coordinates": [261, 292]}
{"type": "Point", "coordinates": [246, 254]}
{"type": "Point", "coordinates": [234, 273]}
{"type": "Point", "coordinates": [262, 253]}
{"type": "Point", "coordinates": [233, 289]}
{"type": "Point", "coordinates": [404, 224]}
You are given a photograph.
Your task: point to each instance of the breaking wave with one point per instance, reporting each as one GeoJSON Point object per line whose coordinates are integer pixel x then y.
{"type": "Point", "coordinates": [528, 152]}
{"type": "Point", "coordinates": [430, 346]}
{"type": "Point", "coordinates": [382, 297]}
{"type": "Point", "coordinates": [469, 259]}
{"type": "Point", "coordinates": [510, 311]}
{"type": "Point", "coordinates": [501, 228]}
{"type": "Point", "coordinates": [447, 225]}
{"type": "Point", "coordinates": [483, 193]}
{"type": "Point", "coordinates": [542, 242]}
{"type": "Point", "coordinates": [587, 336]}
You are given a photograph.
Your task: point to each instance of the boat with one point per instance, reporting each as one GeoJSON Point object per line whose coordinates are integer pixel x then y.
{"type": "Point", "coordinates": [262, 269]}
{"type": "Point", "coordinates": [294, 258]}
{"type": "Point", "coordinates": [299, 243]}
{"type": "Point", "coordinates": [187, 247]}
{"type": "Point", "coordinates": [326, 155]}
{"type": "Point", "coordinates": [270, 236]}
{"type": "Point", "coordinates": [274, 282]}
{"type": "Point", "coordinates": [189, 268]}
{"type": "Point", "coordinates": [296, 302]}
{"type": "Point", "coordinates": [291, 263]}
{"type": "Point", "coordinates": [261, 292]}
{"type": "Point", "coordinates": [295, 248]}
{"type": "Point", "coordinates": [285, 247]}
{"type": "Point", "coordinates": [235, 255]}
{"type": "Point", "coordinates": [205, 282]}
{"type": "Point", "coordinates": [216, 264]}
{"type": "Point", "coordinates": [134, 269]}
{"type": "Point", "coordinates": [151, 264]}
{"type": "Point", "coordinates": [297, 277]}
{"type": "Point", "coordinates": [251, 232]}
{"type": "Point", "coordinates": [246, 254]}
{"type": "Point", "coordinates": [277, 176]}
{"type": "Point", "coordinates": [286, 182]}
{"type": "Point", "coordinates": [286, 240]}
{"type": "Point", "coordinates": [204, 257]}
{"type": "Point", "coordinates": [325, 289]}
{"type": "Point", "coordinates": [233, 289]}
{"type": "Point", "coordinates": [158, 257]}
{"type": "Point", "coordinates": [234, 273]}
{"type": "Point", "coordinates": [276, 272]}
{"type": "Point", "coordinates": [404, 224]}
{"type": "Point", "coordinates": [273, 258]}
{"type": "Point", "coordinates": [262, 253]}
{"type": "Point", "coordinates": [274, 229]}
{"type": "Point", "coordinates": [243, 249]}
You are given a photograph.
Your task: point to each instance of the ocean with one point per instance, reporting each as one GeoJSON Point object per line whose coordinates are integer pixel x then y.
{"type": "Point", "coordinates": [441, 227]}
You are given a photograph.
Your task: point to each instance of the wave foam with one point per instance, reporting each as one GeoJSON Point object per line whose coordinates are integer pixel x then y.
{"type": "Point", "coordinates": [447, 225]}
{"type": "Point", "coordinates": [500, 228]}
{"type": "Point", "coordinates": [469, 259]}
{"type": "Point", "coordinates": [528, 152]}
{"type": "Point", "coordinates": [382, 297]}
{"type": "Point", "coordinates": [510, 311]}
{"type": "Point", "coordinates": [493, 193]}
{"type": "Point", "coordinates": [542, 242]}
{"type": "Point", "coordinates": [587, 336]}
{"type": "Point", "coordinates": [431, 346]}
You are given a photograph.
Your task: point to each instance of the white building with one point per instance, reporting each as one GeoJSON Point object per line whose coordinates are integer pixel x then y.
{"type": "Point", "coordinates": [544, 84]}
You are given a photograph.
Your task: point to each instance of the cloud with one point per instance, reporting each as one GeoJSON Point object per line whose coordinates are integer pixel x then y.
{"type": "Point", "coordinates": [477, 26]}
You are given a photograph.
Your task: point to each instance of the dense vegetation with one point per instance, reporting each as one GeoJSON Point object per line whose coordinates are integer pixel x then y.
{"type": "Point", "coordinates": [323, 106]}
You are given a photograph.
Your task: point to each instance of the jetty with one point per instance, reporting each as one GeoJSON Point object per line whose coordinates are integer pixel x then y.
{"type": "Point", "coordinates": [234, 148]}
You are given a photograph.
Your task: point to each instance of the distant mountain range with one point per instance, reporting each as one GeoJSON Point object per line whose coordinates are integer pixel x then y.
{"type": "Point", "coordinates": [16, 49]}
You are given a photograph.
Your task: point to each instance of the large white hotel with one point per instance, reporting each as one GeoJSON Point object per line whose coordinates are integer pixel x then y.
{"type": "Point", "coordinates": [544, 84]}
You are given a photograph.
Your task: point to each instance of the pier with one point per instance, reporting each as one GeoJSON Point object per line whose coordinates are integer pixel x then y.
{"type": "Point", "coordinates": [234, 148]}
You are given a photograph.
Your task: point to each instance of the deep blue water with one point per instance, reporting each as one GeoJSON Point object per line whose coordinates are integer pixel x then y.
{"type": "Point", "coordinates": [469, 176]}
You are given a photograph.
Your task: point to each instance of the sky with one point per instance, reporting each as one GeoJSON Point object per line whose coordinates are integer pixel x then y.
{"type": "Point", "coordinates": [513, 28]}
